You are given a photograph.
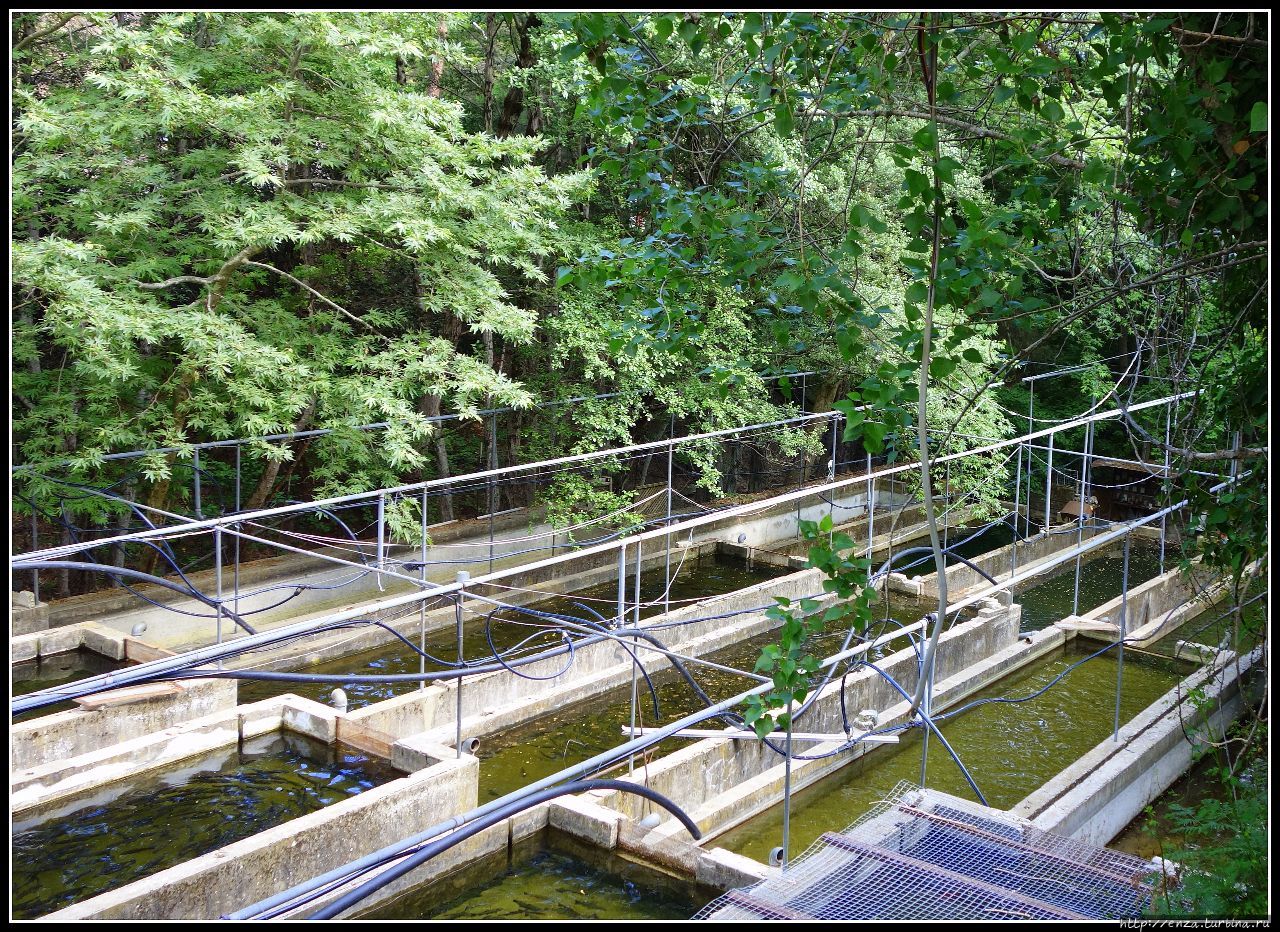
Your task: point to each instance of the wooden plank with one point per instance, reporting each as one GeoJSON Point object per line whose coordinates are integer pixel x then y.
{"type": "Point", "coordinates": [138, 652]}
{"type": "Point", "coordinates": [128, 695]}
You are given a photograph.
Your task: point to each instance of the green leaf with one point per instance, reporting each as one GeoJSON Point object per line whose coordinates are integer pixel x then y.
{"type": "Point", "coordinates": [917, 182]}
{"type": "Point", "coordinates": [941, 366]}
{"type": "Point", "coordinates": [1052, 111]}
{"type": "Point", "coordinates": [1258, 117]}
{"type": "Point", "coordinates": [783, 119]}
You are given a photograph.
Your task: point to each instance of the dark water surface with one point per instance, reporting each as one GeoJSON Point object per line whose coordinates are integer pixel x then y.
{"type": "Point", "coordinates": [58, 670]}
{"type": "Point", "coordinates": [97, 842]}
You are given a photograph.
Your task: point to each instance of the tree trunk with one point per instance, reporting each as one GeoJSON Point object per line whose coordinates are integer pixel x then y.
{"type": "Point", "coordinates": [266, 484]}
{"type": "Point", "coordinates": [513, 102]}
{"type": "Point", "coordinates": [437, 63]}
{"type": "Point", "coordinates": [430, 406]}
{"type": "Point", "coordinates": [491, 37]}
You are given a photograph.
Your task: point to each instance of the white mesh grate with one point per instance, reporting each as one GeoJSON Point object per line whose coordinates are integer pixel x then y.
{"type": "Point", "coordinates": [920, 854]}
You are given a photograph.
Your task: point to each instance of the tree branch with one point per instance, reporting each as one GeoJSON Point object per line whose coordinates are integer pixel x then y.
{"type": "Point", "coordinates": [977, 130]}
{"type": "Point", "coordinates": [37, 36]}
{"type": "Point", "coordinates": [301, 284]}
{"type": "Point", "coordinates": [1239, 454]}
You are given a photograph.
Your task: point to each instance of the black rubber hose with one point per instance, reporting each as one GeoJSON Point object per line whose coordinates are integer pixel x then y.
{"type": "Point", "coordinates": [434, 848]}
{"type": "Point", "coordinates": [910, 550]}
{"type": "Point", "coordinates": [132, 574]}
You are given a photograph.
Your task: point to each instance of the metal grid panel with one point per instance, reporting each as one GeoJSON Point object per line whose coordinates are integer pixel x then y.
{"type": "Point", "coordinates": [926, 855]}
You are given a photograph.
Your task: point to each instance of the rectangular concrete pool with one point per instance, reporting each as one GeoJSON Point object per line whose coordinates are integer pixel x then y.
{"type": "Point", "coordinates": [103, 839]}
{"type": "Point", "coordinates": [545, 745]}
{"type": "Point", "coordinates": [549, 877]}
{"type": "Point", "coordinates": [698, 578]}
{"type": "Point", "coordinates": [1009, 748]}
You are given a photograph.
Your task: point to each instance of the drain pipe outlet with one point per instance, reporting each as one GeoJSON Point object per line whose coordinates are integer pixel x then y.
{"type": "Point", "coordinates": [339, 699]}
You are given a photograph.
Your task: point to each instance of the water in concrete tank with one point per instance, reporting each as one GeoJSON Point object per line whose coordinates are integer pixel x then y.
{"type": "Point", "coordinates": [1010, 749]}
{"type": "Point", "coordinates": [541, 747]}
{"type": "Point", "coordinates": [549, 877]}
{"type": "Point", "coordinates": [58, 670]}
{"type": "Point", "coordinates": [1100, 581]}
{"type": "Point", "coordinates": [79, 848]}
{"type": "Point", "coordinates": [708, 576]}
{"type": "Point", "coordinates": [1219, 624]}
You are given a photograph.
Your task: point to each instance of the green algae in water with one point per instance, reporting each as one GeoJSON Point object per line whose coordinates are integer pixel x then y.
{"type": "Point", "coordinates": [547, 879]}
{"type": "Point", "coordinates": [80, 848]}
{"type": "Point", "coordinates": [58, 670]}
{"type": "Point", "coordinates": [1010, 749]}
{"type": "Point", "coordinates": [577, 732]}
{"type": "Point", "coordinates": [1100, 581]}
{"type": "Point", "coordinates": [1218, 624]}
{"type": "Point", "coordinates": [708, 576]}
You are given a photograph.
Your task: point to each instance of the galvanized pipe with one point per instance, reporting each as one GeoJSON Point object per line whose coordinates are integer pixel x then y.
{"type": "Point", "coordinates": [1124, 611]}
{"type": "Point", "coordinates": [462, 578]}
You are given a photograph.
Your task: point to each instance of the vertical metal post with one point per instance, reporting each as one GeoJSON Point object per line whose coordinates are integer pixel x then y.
{"type": "Point", "coordinates": [1031, 406]}
{"type": "Point", "coordinates": [831, 475]}
{"type": "Point", "coordinates": [946, 512]}
{"type": "Point", "coordinates": [803, 392]}
{"type": "Point", "coordinates": [35, 545]}
{"type": "Point", "coordinates": [671, 455]}
{"type": "Point", "coordinates": [786, 794]}
{"type": "Point", "coordinates": [382, 510]}
{"type": "Point", "coordinates": [1124, 610]}
{"type": "Point", "coordinates": [622, 586]}
{"type": "Point", "coordinates": [925, 712]}
{"type": "Point", "coordinates": [493, 488]}
{"type": "Point", "coordinates": [217, 573]}
{"type": "Point", "coordinates": [621, 620]}
{"type": "Point", "coordinates": [195, 481]}
{"type": "Point", "coordinates": [1084, 470]}
{"type": "Point", "coordinates": [871, 509]}
{"type": "Point", "coordinates": [463, 576]}
{"type": "Point", "coordinates": [422, 605]}
{"type": "Point", "coordinates": [639, 561]}
{"type": "Point", "coordinates": [1168, 416]}
{"type": "Point", "coordinates": [635, 663]}
{"type": "Point", "coordinates": [1048, 485]}
{"type": "Point", "coordinates": [1017, 509]}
